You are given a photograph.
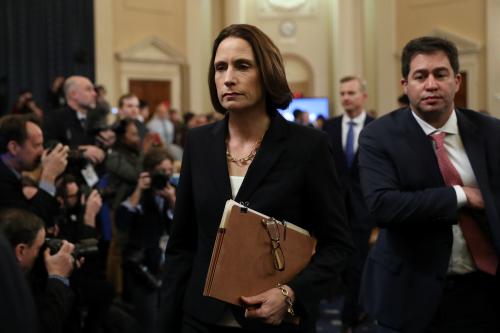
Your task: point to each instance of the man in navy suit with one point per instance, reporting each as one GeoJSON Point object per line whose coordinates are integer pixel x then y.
{"type": "Point", "coordinates": [343, 132]}
{"type": "Point", "coordinates": [430, 176]}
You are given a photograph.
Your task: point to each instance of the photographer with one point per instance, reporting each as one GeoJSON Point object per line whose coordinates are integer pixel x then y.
{"type": "Point", "coordinates": [51, 289]}
{"type": "Point", "coordinates": [25, 104]}
{"type": "Point", "coordinates": [21, 149]}
{"type": "Point", "coordinates": [70, 125]}
{"type": "Point", "coordinates": [77, 223]}
{"type": "Point", "coordinates": [146, 217]}
{"type": "Point", "coordinates": [78, 213]}
{"type": "Point", "coordinates": [123, 163]}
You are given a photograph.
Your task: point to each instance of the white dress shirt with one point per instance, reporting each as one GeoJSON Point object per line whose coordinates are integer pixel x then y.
{"type": "Point", "coordinates": [359, 121]}
{"type": "Point", "coordinates": [461, 261]}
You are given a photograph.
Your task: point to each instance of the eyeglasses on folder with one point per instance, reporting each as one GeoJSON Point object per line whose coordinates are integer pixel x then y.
{"type": "Point", "coordinates": [273, 231]}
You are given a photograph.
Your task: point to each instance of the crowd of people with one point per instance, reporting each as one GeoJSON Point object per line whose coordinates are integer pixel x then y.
{"type": "Point", "coordinates": [100, 233]}
{"type": "Point", "coordinates": [95, 196]}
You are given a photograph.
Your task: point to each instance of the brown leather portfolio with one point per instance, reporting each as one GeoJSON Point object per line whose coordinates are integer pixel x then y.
{"type": "Point", "coordinates": [253, 253]}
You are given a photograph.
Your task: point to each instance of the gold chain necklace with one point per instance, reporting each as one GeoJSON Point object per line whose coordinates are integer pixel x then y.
{"type": "Point", "coordinates": [244, 160]}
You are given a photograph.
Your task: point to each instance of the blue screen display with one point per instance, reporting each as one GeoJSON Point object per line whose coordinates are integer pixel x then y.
{"type": "Point", "coordinates": [314, 106]}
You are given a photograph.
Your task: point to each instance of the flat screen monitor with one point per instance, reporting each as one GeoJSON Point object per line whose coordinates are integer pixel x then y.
{"type": "Point", "coordinates": [314, 106]}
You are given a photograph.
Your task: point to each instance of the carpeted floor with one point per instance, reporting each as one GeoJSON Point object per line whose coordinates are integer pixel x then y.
{"type": "Point", "coordinates": [329, 321]}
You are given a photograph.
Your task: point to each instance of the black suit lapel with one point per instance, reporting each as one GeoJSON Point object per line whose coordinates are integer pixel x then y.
{"type": "Point", "coordinates": [474, 147]}
{"type": "Point", "coordinates": [268, 154]}
{"type": "Point", "coordinates": [216, 159]}
{"type": "Point", "coordinates": [422, 147]}
{"type": "Point", "coordinates": [337, 139]}
{"type": "Point", "coordinates": [474, 144]}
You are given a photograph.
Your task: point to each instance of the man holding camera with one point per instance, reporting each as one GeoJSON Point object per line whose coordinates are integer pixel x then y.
{"type": "Point", "coordinates": [21, 149]}
{"type": "Point", "coordinates": [77, 223]}
{"type": "Point", "coordinates": [69, 125]}
{"type": "Point", "coordinates": [144, 220]}
{"type": "Point", "coordinates": [53, 296]}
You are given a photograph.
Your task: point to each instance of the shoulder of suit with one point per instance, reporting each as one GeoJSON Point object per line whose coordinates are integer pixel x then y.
{"type": "Point", "coordinates": [392, 118]}
{"type": "Point", "coordinates": [306, 133]}
{"type": "Point", "coordinates": [334, 120]}
{"type": "Point", "coordinates": [205, 130]}
{"type": "Point", "coordinates": [480, 119]}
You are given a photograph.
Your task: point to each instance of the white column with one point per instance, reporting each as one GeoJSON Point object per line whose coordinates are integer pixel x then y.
{"type": "Point", "coordinates": [199, 39]}
{"type": "Point", "coordinates": [104, 54]}
{"type": "Point", "coordinates": [235, 11]}
{"type": "Point", "coordinates": [347, 33]}
{"type": "Point", "coordinates": [493, 56]}
{"type": "Point", "coordinates": [387, 62]}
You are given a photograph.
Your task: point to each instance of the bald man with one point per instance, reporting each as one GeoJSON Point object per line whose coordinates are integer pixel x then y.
{"type": "Point", "coordinates": [69, 124]}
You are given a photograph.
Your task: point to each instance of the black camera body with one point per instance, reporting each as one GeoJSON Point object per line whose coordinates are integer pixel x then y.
{"type": "Point", "coordinates": [76, 159]}
{"type": "Point", "coordinates": [133, 262]}
{"type": "Point", "coordinates": [83, 248]}
{"type": "Point", "coordinates": [159, 180]}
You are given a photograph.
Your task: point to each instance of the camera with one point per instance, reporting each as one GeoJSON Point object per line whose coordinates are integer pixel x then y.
{"type": "Point", "coordinates": [83, 248]}
{"type": "Point", "coordinates": [75, 156]}
{"type": "Point", "coordinates": [133, 262]}
{"type": "Point", "coordinates": [159, 180]}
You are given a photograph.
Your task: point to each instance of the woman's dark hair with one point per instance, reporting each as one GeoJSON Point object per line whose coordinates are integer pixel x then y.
{"type": "Point", "coordinates": [269, 62]}
{"type": "Point", "coordinates": [428, 45]}
{"type": "Point", "coordinates": [154, 157]}
{"type": "Point", "coordinates": [120, 128]}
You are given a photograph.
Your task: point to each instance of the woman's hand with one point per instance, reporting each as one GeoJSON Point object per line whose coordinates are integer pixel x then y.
{"type": "Point", "coordinates": [270, 306]}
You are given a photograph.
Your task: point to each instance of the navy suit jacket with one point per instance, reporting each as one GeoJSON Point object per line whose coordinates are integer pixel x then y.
{"type": "Point", "coordinates": [406, 270]}
{"type": "Point", "coordinates": [292, 178]}
{"type": "Point", "coordinates": [11, 196]}
{"type": "Point", "coordinates": [349, 177]}
{"type": "Point", "coordinates": [63, 126]}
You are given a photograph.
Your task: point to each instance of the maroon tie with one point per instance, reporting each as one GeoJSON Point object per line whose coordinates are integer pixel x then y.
{"type": "Point", "coordinates": [480, 248]}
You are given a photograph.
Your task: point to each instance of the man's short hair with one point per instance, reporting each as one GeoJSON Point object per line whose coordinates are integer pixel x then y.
{"type": "Point", "coordinates": [13, 128]}
{"type": "Point", "coordinates": [122, 99]}
{"type": "Point", "coordinates": [20, 226]}
{"type": "Point", "coordinates": [69, 83]}
{"type": "Point", "coordinates": [297, 113]}
{"type": "Point", "coordinates": [362, 83]}
{"type": "Point", "coordinates": [404, 100]}
{"type": "Point", "coordinates": [428, 45]}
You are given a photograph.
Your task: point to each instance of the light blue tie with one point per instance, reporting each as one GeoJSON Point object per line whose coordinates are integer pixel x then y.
{"type": "Point", "coordinates": [349, 144]}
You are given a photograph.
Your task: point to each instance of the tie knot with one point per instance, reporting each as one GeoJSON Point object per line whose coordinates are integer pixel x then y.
{"type": "Point", "coordinates": [438, 138]}
{"type": "Point", "coordinates": [351, 123]}
{"type": "Point", "coordinates": [83, 122]}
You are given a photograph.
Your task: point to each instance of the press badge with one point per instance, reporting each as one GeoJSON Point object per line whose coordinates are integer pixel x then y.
{"type": "Point", "coordinates": [90, 175]}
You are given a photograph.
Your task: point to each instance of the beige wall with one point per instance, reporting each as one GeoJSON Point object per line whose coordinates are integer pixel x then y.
{"type": "Point", "coordinates": [136, 20]}
{"type": "Point", "coordinates": [122, 24]}
{"type": "Point", "coordinates": [315, 51]}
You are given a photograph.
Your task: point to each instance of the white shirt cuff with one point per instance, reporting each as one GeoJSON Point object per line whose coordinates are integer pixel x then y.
{"type": "Point", "coordinates": [47, 187]}
{"type": "Point", "coordinates": [461, 197]}
{"type": "Point", "coordinates": [130, 208]}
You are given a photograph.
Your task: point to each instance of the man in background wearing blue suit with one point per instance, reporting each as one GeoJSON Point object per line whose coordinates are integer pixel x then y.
{"type": "Point", "coordinates": [343, 132]}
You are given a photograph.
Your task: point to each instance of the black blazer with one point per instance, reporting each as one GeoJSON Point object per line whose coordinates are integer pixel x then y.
{"type": "Point", "coordinates": [17, 308]}
{"type": "Point", "coordinates": [292, 178]}
{"type": "Point", "coordinates": [357, 211]}
{"type": "Point", "coordinates": [11, 196]}
{"type": "Point", "coordinates": [406, 269]}
{"type": "Point", "coordinates": [63, 126]}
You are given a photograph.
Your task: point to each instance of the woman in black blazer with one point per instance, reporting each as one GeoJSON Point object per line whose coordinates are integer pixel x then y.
{"type": "Point", "coordinates": [272, 166]}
